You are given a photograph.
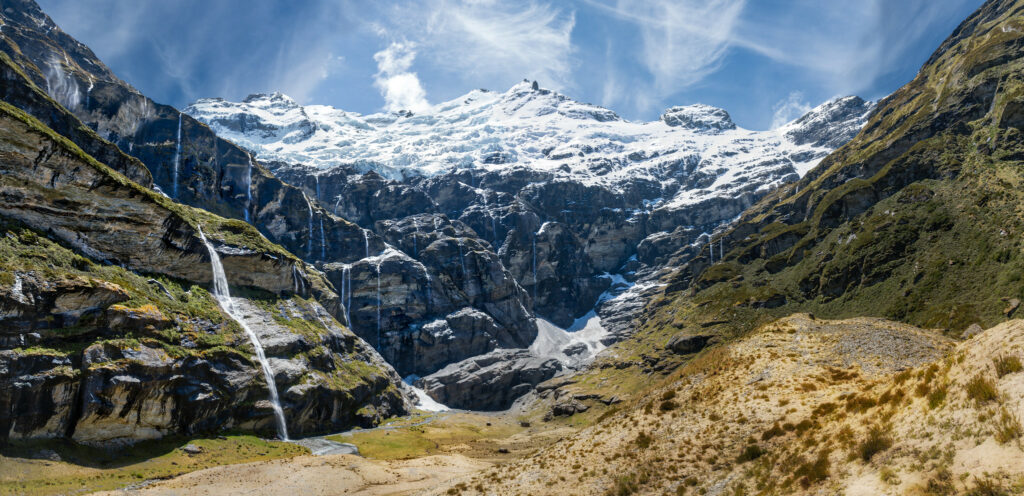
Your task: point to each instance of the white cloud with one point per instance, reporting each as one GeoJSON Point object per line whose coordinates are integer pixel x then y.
{"type": "Point", "coordinates": [682, 42]}
{"type": "Point", "coordinates": [788, 109]}
{"type": "Point", "coordinates": [400, 88]}
{"type": "Point", "coordinates": [483, 41]}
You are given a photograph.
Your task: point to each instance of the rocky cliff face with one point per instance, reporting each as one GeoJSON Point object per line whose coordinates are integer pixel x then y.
{"type": "Point", "coordinates": [561, 196]}
{"type": "Point", "coordinates": [107, 334]}
{"type": "Point", "coordinates": [446, 232]}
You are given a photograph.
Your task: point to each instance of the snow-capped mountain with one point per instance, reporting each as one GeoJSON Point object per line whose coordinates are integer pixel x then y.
{"type": "Point", "coordinates": [694, 152]}
{"type": "Point", "coordinates": [499, 208]}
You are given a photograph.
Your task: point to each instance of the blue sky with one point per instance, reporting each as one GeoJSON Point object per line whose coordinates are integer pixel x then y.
{"type": "Point", "coordinates": [765, 61]}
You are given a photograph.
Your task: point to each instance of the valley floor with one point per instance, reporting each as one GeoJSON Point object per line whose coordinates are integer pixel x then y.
{"type": "Point", "coordinates": [861, 406]}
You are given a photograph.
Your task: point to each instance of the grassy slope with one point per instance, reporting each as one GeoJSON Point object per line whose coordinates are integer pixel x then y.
{"type": "Point", "coordinates": [918, 219]}
{"type": "Point", "coordinates": [804, 406]}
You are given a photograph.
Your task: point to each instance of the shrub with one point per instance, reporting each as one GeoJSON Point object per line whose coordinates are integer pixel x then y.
{"type": "Point", "coordinates": [988, 485]}
{"type": "Point", "coordinates": [626, 485]}
{"type": "Point", "coordinates": [937, 396]}
{"type": "Point", "coordinates": [812, 472]}
{"type": "Point", "coordinates": [876, 442]}
{"type": "Point", "coordinates": [1007, 364]}
{"type": "Point", "coordinates": [668, 395]}
{"type": "Point", "coordinates": [774, 431]}
{"type": "Point", "coordinates": [1008, 427]}
{"type": "Point", "coordinates": [643, 440]}
{"type": "Point", "coordinates": [981, 389]}
{"type": "Point", "coordinates": [750, 453]}
{"type": "Point", "coordinates": [667, 406]}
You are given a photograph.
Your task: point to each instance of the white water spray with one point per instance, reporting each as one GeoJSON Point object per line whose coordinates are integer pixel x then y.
{"type": "Point", "coordinates": [223, 296]}
{"type": "Point", "coordinates": [177, 159]}
{"type": "Point", "coordinates": [379, 348]}
{"type": "Point", "coordinates": [248, 190]}
{"type": "Point", "coordinates": [366, 242]}
{"type": "Point", "coordinates": [462, 259]}
{"type": "Point", "coordinates": [535, 284]}
{"type": "Point", "coordinates": [323, 242]}
{"type": "Point", "coordinates": [309, 237]}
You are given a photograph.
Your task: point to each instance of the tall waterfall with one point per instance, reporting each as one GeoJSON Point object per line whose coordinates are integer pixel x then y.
{"type": "Point", "coordinates": [177, 159]}
{"type": "Point", "coordinates": [366, 242]}
{"type": "Point", "coordinates": [309, 241]}
{"type": "Point", "coordinates": [415, 249]}
{"type": "Point", "coordinates": [462, 259]}
{"type": "Point", "coordinates": [323, 240]}
{"type": "Point", "coordinates": [248, 190]}
{"type": "Point", "coordinates": [378, 306]}
{"type": "Point", "coordinates": [346, 285]}
{"type": "Point", "coordinates": [535, 284]}
{"type": "Point", "coordinates": [220, 292]}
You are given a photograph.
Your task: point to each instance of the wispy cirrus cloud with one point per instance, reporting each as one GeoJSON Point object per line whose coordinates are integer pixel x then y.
{"type": "Point", "coordinates": [490, 40]}
{"type": "Point", "coordinates": [792, 107]}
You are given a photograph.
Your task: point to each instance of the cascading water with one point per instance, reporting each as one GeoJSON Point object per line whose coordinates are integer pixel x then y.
{"type": "Point", "coordinates": [309, 240]}
{"type": "Point", "coordinates": [323, 242]}
{"type": "Point", "coordinates": [462, 258]}
{"type": "Point", "coordinates": [223, 296]}
{"type": "Point", "coordinates": [346, 285]}
{"type": "Point", "coordinates": [177, 159]}
{"type": "Point", "coordinates": [415, 249]}
{"type": "Point", "coordinates": [317, 177]}
{"type": "Point", "coordinates": [88, 93]}
{"type": "Point", "coordinates": [366, 242]}
{"type": "Point", "coordinates": [535, 284]}
{"type": "Point", "coordinates": [248, 190]}
{"type": "Point", "coordinates": [378, 307]}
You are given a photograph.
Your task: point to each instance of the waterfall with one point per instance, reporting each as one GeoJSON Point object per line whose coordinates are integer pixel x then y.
{"type": "Point", "coordinates": [494, 229]}
{"type": "Point", "coordinates": [336, 204]}
{"type": "Point", "coordinates": [378, 308]}
{"type": "Point", "coordinates": [535, 284]}
{"type": "Point", "coordinates": [323, 241]}
{"type": "Point", "coordinates": [248, 190]}
{"type": "Point", "coordinates": [711, 249]}
{"type": "Point", "coordinates": [317, 177]}
{"type": "Point", "coordinates": [223, 296]}
{"type": "Point", "coordinates": [427, 309]}
{"type": "Point", "coordinates": [88, 92]}
{"type": "Point", "coordinates": [60, 85]}
{"type": "Point", "coordinates": [462, 259]}
{"type": "Point", "coordinates": [309, 241]}
{"type": "Point", "coordinates": [348, 307]}
{"type": "Point", "coordinates": [346, 284]}
{"type": "Point", "coordinates": [177, 159]}
{"type": "Point", "coordinates": [415, 250]}
{"type": "Point", "coordinates": [366, 242]}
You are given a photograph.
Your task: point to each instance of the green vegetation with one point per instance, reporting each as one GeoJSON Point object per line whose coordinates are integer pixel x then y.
{"type": "Point", "coordinates": [877, 441]}
{"type": "Point", "coordinates": [1007, 364]}
{"type": "Point", "coordinates": [427, 436]}
{"type": "Point", "coordinates": [84, 469]}
{"type": "Point", "coordinates": [981, 389]}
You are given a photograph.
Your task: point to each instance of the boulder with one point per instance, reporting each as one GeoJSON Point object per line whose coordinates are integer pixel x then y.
{"type": "Point", "coordinates": [489, 382]}
{"type": "Point", "coordinates": [685, 344]}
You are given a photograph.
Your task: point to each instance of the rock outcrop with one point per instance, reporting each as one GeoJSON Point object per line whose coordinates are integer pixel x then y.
{"type": "Point", "coordinates": [489, 382]}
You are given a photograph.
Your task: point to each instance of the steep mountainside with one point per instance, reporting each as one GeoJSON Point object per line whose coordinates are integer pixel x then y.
{"type": "Point", "coordinates": [928, 193]}
{"type": "Point", "coordinates": [107, 334]}
{"type": "Point", "coordinates": [568, 202]}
